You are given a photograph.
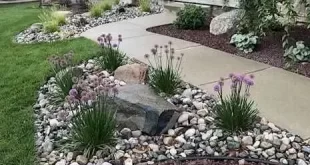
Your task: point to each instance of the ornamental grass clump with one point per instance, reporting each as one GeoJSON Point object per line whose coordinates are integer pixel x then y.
{"type": "Point", "coordinates": [235, 113]}
{"type": "Point", "coordinates": [145, 5]}
{"type": "Point", "coordinates": [51, 19]}
{"type": "Point", "coordinates": [165, 69]}
{"type": "Point", "coordinates": [93, 121]}
{"type": "Point", "coordinates": [110, 57]}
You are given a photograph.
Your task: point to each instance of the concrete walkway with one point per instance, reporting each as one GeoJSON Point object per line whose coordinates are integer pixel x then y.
{"type": "Point", "coordinates": [281, 96]}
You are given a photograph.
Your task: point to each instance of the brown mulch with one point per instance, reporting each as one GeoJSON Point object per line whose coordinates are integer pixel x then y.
{"type": "Point", "coordinates": [269, 50]}
{"type": "Point", "coordinates": [208, 162]}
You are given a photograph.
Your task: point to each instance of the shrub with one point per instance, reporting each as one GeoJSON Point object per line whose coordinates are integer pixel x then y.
{"type": "Point", "coordinates": [145, 5]}
{"type": "Point", "coordinates": [191, 17]}
{"type": "Point", "coordinates": [298, 53]}
{"type": "Point", "coordinates": [164, 74]}
{"type": "Point", "coordinates": [51, 26]}
{"type": "Point", "coordinates": [59, 18]}
{"type": "Point", "coordinates": [235, 113]}
{"type": "Point", "coordinates": [52, 20]}
{"type": "Point", "coordinates": [96, 11]}
{"type": "Point", "coordinates": [93, 126]}
{"type": "Point", "coordinates": [106, 5]}
{"type": "Point", "coordinates": [110, 57]}
{"type": "Point", "coordinates": [245, 42]}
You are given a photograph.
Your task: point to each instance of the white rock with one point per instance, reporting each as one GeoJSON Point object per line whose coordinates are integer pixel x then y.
{"type": "Point", "coordinates": [207, 135]}
{"type": "Point", "coordinates": [247, 140]}
{"type": "Point", "coordinates": [112, 78]}
{"type": "Point", "coordinates": [301, 162]}
{"type": "Point", "coordinates": [171, 132]}
{"type": "Point", "coordinates": [251, 148]}
{"type": "Point", "coordinates": [285, 141]}
{"type": "Point", "coordinates": [201, 121]}
{"type": "Point", "coordinates": [256, 144]}
{"type": "Point", "coordinates": [54, 123]}
{"type": "Point", "coordinates": [300, 155]}
{"type": "Point", "coordinates": [183, 117]}
{"type": "Point", "coordinates": [183, 154]}
{"type": "Point", "coordinates": [224, 22]}
{"type": "Point", "coordinates": [264, 121]}
{"type": "Point", "coordinates": [292, 138]}
{"type": "Point", "coordinates": [198, 105]}
{"type": "Point", "coordinates": [69, 156]}
{"type": "Point", "coordinates": [209, 150]}
{"type": "Point", "coordinates": [273, 127]}
{"type": "Point", "coordinates": [213, 138]}
{"type": "Point", "coordinates": [106, 163]}
{"type": "Point", "coordinates": [61, 162]}
{"type": "Point", "coordinates": [265, 145]}
{"type": "Point", "coordinates": [105, 74]}
{"type": "Point", "coordinates": [74, 163]}
{"type": "Point", "coordinates": [154, 147]}
{"type": "Point", "coordinates": [168, 140]}
{"type": "Point", "coordinates": [201, 127]}
{"type": "Point", "coordinates": [89, 66]}
{"type": "Point", "coordinates": [186, 101]}
{"type": "Point", "coordinates": [180, 139]}
{"type": "Point", "coordinates": [119, 154]}
{"type": "Point", "coordinates": [81, 159]}
{"type": "Point", "coordinates": [187, 93]}
{"type": "Point", "coordinates": [241, 162]}
{"type": "Point", "coordinates": [292, 151]}
{"type": "Point", "coordinates": [122, 83]}
{"type": "Point", "coordinates": [136, 133]}
{"type": "Point", "coordinates": [202, 112]}
{"type": "Point", "coordinates": [173, 151]}
{"type": "Point", "coordinates": [128, 161]}
{"type": "Point", "coordinates": [190, 132]}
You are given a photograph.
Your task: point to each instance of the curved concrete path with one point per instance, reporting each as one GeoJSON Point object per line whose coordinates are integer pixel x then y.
{"type": "Point", "coordinates": [281, 96]}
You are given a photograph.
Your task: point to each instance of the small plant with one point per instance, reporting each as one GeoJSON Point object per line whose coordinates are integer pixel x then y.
{"type": "Point", "coordinates": [245, 42]}
{"type": "Point", "coordinates": [116, 2]}
{"type": "Point", "coordinates": [145, 5]}
{"type": "Point", "coordinates": [106, 5]}
{"type": "Point", "coordinates": [298, 53]}
{"type": "Point", "coordinates": [164, 74]}
{"type": "Point", "coordinates": [51, 26]}
{"type": "Point", "coordinates": [96, 11]}
{"type": "Point", "coordinates": [191, 17]}
{"type": "Point", "coordinates": [235, 113]}
{"type": "Point", "coordinates": [110, 57]}
{"type": "Point", "coordinates": [93, 125]}
{"type": "Point", "coordinates": [52, 20]}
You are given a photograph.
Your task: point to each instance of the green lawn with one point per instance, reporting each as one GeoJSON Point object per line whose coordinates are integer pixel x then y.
{"type": "Point", "coordinates": [23, 68]}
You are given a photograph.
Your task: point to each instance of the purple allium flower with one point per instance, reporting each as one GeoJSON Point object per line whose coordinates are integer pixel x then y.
{"type": "Point", "coordinates": [84, 93]}
{"type": "Point", "coordinates": [103, 36]}
{"type": "Point", "coordinates": [167, 51]}
{"type": "Point", "coordinates": [172, 50]}
{"type": "Point", "coordinates": [154, 51]}
{"type": "Point", "coordinates": [242, 77]}
{"type": "Point", "coordinates": [182, 54]}
{"type": "Point", "coordinates": [73, 92]}
{"type": "Point", "coordinates": [166, 46]}
{"type": "Point", "coordinates": [170, 43]}
{"type": "Point", "coordinates": [146, 56]}
{"type": "Point", "coordinates": [99, 39]}
{"type": "Point", "coordinates": [252, 76]}
{"type": "Point", "coordinates": [217, 88]}
{"type": "Point", "coordinates": [178, 58]}
{"type": "Point", "coordinates": [248, 81]}
{"type": "Point", "coordinates": [156, 46]}
{"type": "Point", "coordinates": [231, 75]}
{"type": "Point", "coordinates": [233, 86]}
{"type": "Point", "coordinates": [85, 98]}
{"type": "Point", "coordinates": [114, 45]}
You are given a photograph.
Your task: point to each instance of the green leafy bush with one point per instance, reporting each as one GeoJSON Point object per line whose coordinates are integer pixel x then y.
{"type": "Point", "coordinates": [110, 57]}
{"type": "Point", "coordinates": [298, 53]}
{"type": "Point", "coordinates": [245, 42]}
{"type": "Point", "coordinates": [191, 17]}
{"type": "Point", "coordinates": [164, 75]}
{"type": "Point", "coordinates": [145, 5]}
{"type": "Point", "coordinates": [93, 126]}
{"type": "Point", "coordinates": [235, 113]}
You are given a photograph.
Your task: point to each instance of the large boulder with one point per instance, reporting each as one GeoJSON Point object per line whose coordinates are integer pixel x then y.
{"type": "Point", "coordinates": [139, 108]}
{"type": "Point", "coordinates": [225, 22]}
{"type": "Point", "coordinates": [131, 73]}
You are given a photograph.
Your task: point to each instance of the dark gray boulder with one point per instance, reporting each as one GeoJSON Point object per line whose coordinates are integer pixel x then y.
{"type": "Point", "coordinates": [139, 108]}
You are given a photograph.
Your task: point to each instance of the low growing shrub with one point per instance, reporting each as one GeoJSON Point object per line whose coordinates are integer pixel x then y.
{"type": "Point", "coordinates": [110, 57]}
{"type": "Point", "coordinates": [96, 11]}
{"type": "Point", "coordinates": [298, 53]}
{"type": "Point", "coordinates": [191, 17]}
{"type": "Point", "coordinates": [52, 20]}
{"type": "Point", "coordinates": [245, 42]}
{"type": "Point", "coordinates": [51, 26]}
{"type": "Point", "coordinates": [164, 75]}
{"type": "Point", "coordinates": [235, 113]}
{"type": "Point", "coordinates": [145, 5]}
{"type": "Point", "coordinates": [93, 125]}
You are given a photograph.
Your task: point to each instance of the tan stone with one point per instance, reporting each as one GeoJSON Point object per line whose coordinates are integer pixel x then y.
{"type": "Point", "coordinates": [131, 73]}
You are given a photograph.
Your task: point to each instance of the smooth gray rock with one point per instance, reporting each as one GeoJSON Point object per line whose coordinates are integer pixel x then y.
{"type": "Point", "coordinates": [139, 108]}
{"type": "Point", "coordinates": [224, 22]}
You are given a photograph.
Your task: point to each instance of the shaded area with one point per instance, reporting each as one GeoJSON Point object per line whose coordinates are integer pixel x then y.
{"type": "Point", "coordinates": [269, 51]}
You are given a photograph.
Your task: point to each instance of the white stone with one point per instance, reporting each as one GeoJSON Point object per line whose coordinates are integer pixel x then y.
{"type": "Point", "coordinates": [251, 148]}
{"type": "Point", "coordinates": [122, 83]}
{"type": "Point", "coordinates": [106, 163]}
{"type": "Point", "coordinates": [186, 101]}
{"type": "Point", "coordinates": [209, 150]}
{"type": "Point", "coordinates": [112, 78]}
{"type": "Point", "coordinates": [168, 140]}
{"type": "Point", "coordinates": [183, 154]}
{"type": "Point", "coordinates": [201, 121]}
{"type": "Point", "coordinates": [264, 121]}
{"type": "Point", "coordinates": [171, 132]}
{"type": "Point", "coordinates": [292, 151]}
{"type": "Point", "coordinates": [273, 127]}
{"type": "Point", "coordinates": [136, 133]}
{"type": "Point", "coordinates": [61, 162]}
{"type": "Point", "coordinates": [241, 162]}
{"type": "Point", "coordinates": [82, 160]}
{"type": "Point", "coordinates": [128, 161]}
{"type": "Point", "coordinates": [74, 163]}
{"type": "Point", "coordinates": [224, 22]}
{"type": "Point", "coordinates": [190, 132]}
{"type": "Point", "coordinates": [285, 141]}
{"type": "Point", "coordinates": [183, 117]}
{"type": "Point", "coordinates": [187, 93]}
{"type": "Point", "coordinates": [301, 162]}
{"type": "Point", "coordinates": [173, 151]}
{"type": "Point", "coordinates": [180, 139]}
{"type": "Point", "coordinates": [201, 127]}
{"type": "Point", "coordinates": [54, 123]}
{"type": "Point", "coordinates": [202, 112]}
{"type": "Point", "coordinates": [89, 66]}
{"type": "Point", "coordinates": [154, 147]}
{"type": "Point", "coordinates": [119, 154]}
{"type": "Point", "coordinates": [300, 155]}
{"type": "Point", "coordinates": [207, 135]}
{"type": "Point", "coordinates": [198, 105]}
{"type": "Point", "coordinates": [69, 156]}
{"type": "Point", "coordinates": [105, 74]}
{"type": "Point", "coordinates": [256, 144]}
{"type": "Point", "coordinates": [247, 140]}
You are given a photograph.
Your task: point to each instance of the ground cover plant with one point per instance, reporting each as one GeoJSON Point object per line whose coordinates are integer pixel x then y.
{"type": "Point", "coordinates": [23, 69]}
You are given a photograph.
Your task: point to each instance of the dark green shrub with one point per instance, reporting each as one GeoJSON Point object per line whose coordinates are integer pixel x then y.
{"type": "Point", "coordinates": [191, 17]}
{"type": "Point", "coordinates": [93, 127]}
{"type": "Point", "coordinates": [164, 75]}
{"type": "Point", "coordinates": [235, 113]}
{"type": "Point", "coordinates": [110, 57]}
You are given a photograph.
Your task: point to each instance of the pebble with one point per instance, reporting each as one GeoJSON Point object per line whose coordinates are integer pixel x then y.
{"type": "Point", "coordinates": [173, 151]}
{"type": "Point", "coordinates": [183, 117]}
{"type": "Point", "coordinates": [128, 161]}
{"type": "Point", "coordinates": [81, 159]}
{"type": "Point", "coordinates": [247, 140]}
{"type": "Point", "coordinates": [190, 132]}
{"type": "Point", "coordinates": [202, 112]}
{"type": "Point", "coordinates": [265, 145]}
{"type": "Point", "coordinates": [136, 133]}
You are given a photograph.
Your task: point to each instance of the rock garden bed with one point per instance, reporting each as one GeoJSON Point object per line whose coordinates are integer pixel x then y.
{"type": "Point", "coordinates": [78, 23]}
{"type": "Point", "coordinates": [152, 128]}
{"type": "Point", "coordinates": [269, 51]}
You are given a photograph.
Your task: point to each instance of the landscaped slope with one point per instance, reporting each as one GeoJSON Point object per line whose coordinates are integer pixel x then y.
{"type": "Point", "coordinates": [22, 69]}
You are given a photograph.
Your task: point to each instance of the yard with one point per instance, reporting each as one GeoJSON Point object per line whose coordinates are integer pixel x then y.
{"type": "Point", "coordinates": [23, 69]}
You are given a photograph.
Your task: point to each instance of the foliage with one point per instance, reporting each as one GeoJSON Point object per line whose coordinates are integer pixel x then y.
{"type": "Point", "coordinates": [298, 53]}
{"type": "Point", "coordinates": [106, 5]}
{"type": "Point", "coordinates": [93, 125]}
{"type": "Point", "coordinates": [116, 2]}
{"type": "Point", "coordinates": [110, 57]}
{"type": "Point", "coordinates": [96, 11]}
{"type": "Point", "coordinates": [235, 113]}
{"type": "Point", "coordinates": [145, 5]}
{"type": "Point", "coordinates": [244, 42]}
{"type": "Point", "coordinates": [164, 74]}
{"type": "Point", "coordinates": [52, 20]}
{"type": "Point", "coordinates": [191, 17]}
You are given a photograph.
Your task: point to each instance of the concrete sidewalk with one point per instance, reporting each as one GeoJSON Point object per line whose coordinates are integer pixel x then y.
{"type": "Point", "coordinates": [281, 96]}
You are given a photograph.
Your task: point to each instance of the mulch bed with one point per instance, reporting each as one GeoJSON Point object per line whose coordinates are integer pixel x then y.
{"type": "Point", "coordinates": [269, 50]}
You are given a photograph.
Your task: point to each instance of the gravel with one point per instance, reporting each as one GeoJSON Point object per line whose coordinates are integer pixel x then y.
{"type": "Point", "coordinates": [78, 23]}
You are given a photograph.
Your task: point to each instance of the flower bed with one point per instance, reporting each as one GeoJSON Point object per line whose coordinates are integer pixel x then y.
{"type": "Point", "coordinates": [78, 23]}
